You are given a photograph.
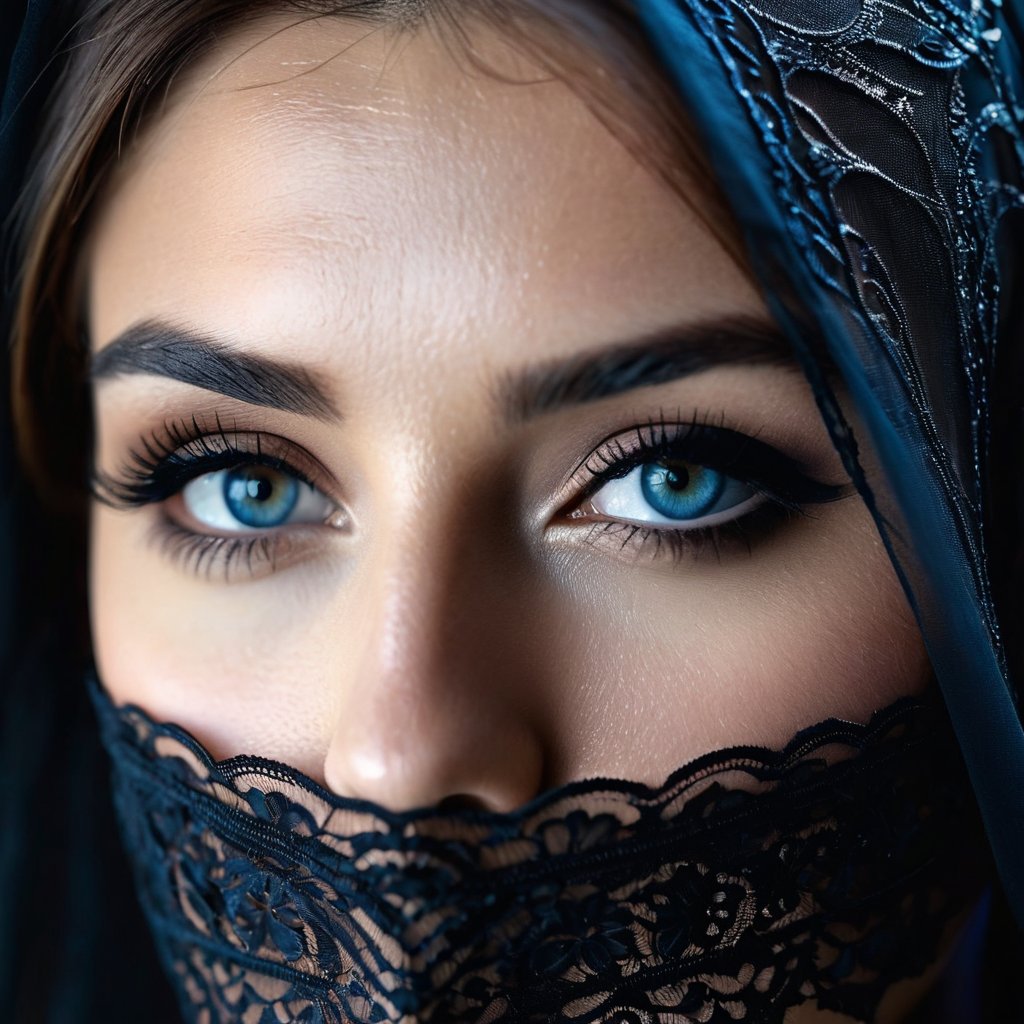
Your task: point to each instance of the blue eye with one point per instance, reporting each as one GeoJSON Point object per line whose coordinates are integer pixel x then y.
{"type": "Point", "coordinates": [253, 497]}
{"type": "Point", "coordinates": [258, 496]}
{"type": "Point", "coordinates": [670, 492]}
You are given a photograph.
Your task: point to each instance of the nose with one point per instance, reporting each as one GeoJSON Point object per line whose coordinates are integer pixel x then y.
{"type": "Point", "coordinates": [434, 711]}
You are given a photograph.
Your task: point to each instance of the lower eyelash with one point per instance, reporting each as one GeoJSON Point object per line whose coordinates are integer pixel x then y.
{"type": "Point", "coordinates": [204, 554]}
{"type": "Point", "coordinates": [744, 532]}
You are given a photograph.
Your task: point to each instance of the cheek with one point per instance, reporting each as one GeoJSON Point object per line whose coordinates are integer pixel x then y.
{"type": "Point", "coordinates": [242, 666]}
{"type": "Point", "coordinates": [813, 625]}
{"type": "Point", "coordinates": [632, 670]}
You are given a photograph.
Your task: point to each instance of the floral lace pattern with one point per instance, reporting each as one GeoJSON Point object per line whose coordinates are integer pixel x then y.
{"type": "Point", "coordinates": [749, 882]}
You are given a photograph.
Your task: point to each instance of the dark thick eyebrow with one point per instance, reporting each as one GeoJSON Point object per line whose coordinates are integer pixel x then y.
{"type": "Point", "coordinates": [164, 350]}
{"type": "Point", "coordinates": [656, 358]}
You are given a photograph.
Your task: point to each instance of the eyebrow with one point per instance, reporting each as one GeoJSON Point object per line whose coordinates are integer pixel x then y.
{"type": "Point", "coordinates": [665, 355]}
{"type": "Point", "coordinates": [163, 350]}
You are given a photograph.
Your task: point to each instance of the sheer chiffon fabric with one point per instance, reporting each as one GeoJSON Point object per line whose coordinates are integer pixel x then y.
{"type": "Point", "coordinates": [751, 881]}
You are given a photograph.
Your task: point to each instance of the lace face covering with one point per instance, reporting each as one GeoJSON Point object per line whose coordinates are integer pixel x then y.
{"type": "Point", "coordinates": [751, 881]}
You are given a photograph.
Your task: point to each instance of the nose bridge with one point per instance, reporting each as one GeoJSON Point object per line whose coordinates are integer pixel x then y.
{"type": "Point", "coordinates": [437, 607]}
{"type": "Point", "coordinates": [433, 708]}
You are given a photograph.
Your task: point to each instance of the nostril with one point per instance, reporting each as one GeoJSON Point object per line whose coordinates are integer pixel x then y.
{"type": "Point", "coordinates": [460, 802]}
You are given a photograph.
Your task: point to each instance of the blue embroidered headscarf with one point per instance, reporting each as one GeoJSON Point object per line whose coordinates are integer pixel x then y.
{"type": "Point", "coordinates": [872, 153]}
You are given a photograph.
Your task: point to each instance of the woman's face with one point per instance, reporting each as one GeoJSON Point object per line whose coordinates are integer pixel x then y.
{"type": "Point", "coordinates": [460, 460]}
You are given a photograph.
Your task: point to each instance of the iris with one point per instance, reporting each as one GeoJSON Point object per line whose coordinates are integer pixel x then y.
{"type": "Point", "coordinates": [258, 496]}
{"type": "Point", "coordinates": [681, 490]}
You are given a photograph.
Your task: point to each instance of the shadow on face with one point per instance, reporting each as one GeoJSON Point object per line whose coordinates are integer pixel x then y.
{"type": "Point", "coordinates": [446, 452]}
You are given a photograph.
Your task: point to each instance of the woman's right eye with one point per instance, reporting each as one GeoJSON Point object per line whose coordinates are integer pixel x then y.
{"type": "Point", "coordinates": [253, 497]}
{"type": "Point", "coordinates": [225, 499]}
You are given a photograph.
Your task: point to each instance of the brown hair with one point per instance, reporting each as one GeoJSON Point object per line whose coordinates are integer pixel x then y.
{"type": "Point", "coordinates": [126, 58]}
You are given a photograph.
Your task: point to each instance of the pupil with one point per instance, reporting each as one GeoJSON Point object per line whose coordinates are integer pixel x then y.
{"type": "Point", "coordinates": [677, 479]}
{"type": "Point", "coordinates": [258, 488]}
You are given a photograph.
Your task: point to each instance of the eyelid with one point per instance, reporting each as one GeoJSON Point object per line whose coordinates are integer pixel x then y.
{"type": "Point", "coordinates": [699, 440]}
{"type": "Point", "coordinates": [149, 472]}
{"type": "Point", "coordinates": [156, 473]}
{"type": "Point", "coordinates": [642, 437]}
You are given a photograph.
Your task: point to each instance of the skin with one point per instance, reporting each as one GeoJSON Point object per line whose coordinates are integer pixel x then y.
{"type": "Point", "coordinates": [409, 231]}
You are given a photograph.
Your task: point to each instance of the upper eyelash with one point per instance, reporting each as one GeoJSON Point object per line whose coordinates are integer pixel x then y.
{"type": "Point", "coordinates": [189, 451]}
{"type": "Point", "coordinates": [739, 455]}
{"type": "Point", "coordinates": [167, 460]}
{"type": "Point", "coordinates": [769, 471]}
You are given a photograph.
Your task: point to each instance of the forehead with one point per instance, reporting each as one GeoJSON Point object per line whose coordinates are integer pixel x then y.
{"type": "Point", "coordinates": [325, 180]}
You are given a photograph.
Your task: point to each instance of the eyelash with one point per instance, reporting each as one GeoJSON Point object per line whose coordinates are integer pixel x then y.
{"type": "Point", "coordinates": [169, 459]}
{"type": "Point", "coordinates": [772, 474]}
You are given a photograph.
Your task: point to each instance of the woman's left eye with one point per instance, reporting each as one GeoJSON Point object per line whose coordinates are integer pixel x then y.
{"type": "Point", "coordinates": [673, 492]}
{"type": "Point", "coordinates": [684, 483]}
{"type": "Point", "coordinates": [253, 497]}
